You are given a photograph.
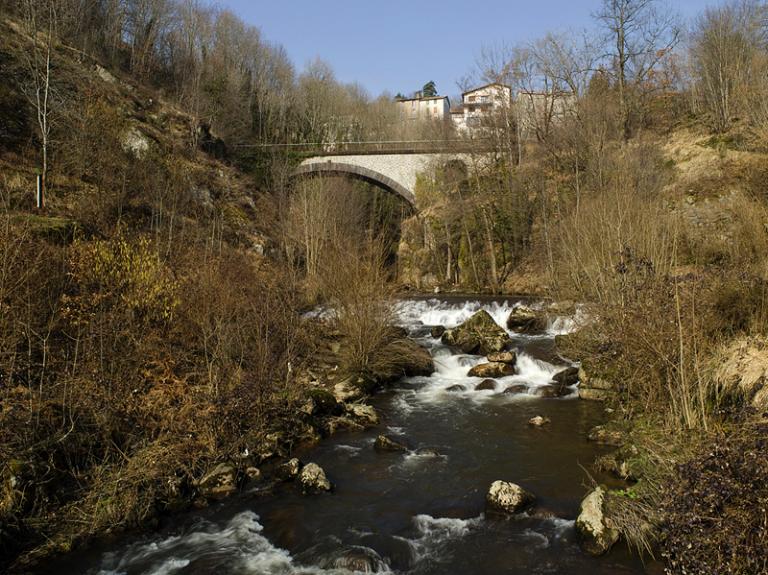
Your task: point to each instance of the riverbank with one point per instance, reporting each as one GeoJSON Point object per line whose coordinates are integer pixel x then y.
{"type": "Point", "coordinates": [411, 510]}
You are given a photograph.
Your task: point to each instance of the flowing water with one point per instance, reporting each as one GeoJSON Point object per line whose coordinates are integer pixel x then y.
{"type": "Point", "coordinates": [418, 512]}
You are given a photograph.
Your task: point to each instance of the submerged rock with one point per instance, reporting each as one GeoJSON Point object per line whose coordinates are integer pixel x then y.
{"type": "Point", "coordinates": [313, 479]}
{"type": "Point", "coordinates": [508, 497]}
{"type": "Point", "coordinates": [567, 377]}
{"type": "Point", "coordinates": [456, 388]}
{"type": "Point", "coordinates": [218, 483]}
{"type": "Point", "coordinates": [490, 370]}
{"type": "Point", "coordinates": [596, 533]}
{"type": "Point", "coordinates": [551, 391]}
{"type": "Point", "coordinates": [427, 452]}
{"type": "Point", "coordinates": [486, 385]}
{"type": "Point", "coordinates": [526, 320]}
{"type": "Point", "coordinates": [289, 470]}
{"type": "Point", "coordinates": [386, 443]}
{"type": "Point", "coordinates": [516, 389]}
{"type": "Point", "coordinates": [480, 335]}
{"type": "Point", "coordinates": [358, 560]}
{"type": "Point", "coordinates": [539, 421]}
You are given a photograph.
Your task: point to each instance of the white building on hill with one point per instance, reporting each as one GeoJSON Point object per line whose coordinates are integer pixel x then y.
{"type": "Point", "coordinates": [424, 108]}
{"type": "Point", "coordinates": [480, 105]}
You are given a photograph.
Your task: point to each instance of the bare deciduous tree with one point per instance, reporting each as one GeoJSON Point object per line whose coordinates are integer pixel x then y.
{"type": "Point", "coordinates": [639, 35]}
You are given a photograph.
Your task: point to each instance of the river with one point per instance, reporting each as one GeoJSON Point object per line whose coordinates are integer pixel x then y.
{"type": "Point", "coordinates": [419, 512]}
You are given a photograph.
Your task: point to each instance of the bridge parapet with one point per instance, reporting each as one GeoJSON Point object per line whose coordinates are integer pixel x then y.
{"type": "Point", "coordinates": [396, 173]}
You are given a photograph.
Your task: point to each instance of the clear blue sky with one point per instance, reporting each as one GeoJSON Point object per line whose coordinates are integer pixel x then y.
{"type": "Point", "coordinates": [399, 45]}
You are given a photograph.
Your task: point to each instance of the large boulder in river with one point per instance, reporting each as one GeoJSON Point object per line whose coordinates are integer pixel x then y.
{"type": "Point", "coordinates": [595, 530]}
{"type": "Point", "coordinates": [313, 480]}
{"type": "Point", "coordinates": [526, 320]}
{"type": "Point", "coordinates": [479, 335]}
{"type": "Point", "coordinates": [418, 360]}
{"type": "Point", "coordinates": [489, 370]}
{"type": "Point", "coordinates": [508, 497]}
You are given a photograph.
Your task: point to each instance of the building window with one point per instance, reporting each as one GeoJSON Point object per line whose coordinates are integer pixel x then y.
{"type": "Point", "coordinates": [472, 98]}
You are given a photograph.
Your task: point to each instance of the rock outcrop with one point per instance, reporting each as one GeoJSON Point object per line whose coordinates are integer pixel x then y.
{"type": "Point", "coordinates": [218, 483]}
{"type": "Point", "coordinates": [505, 497]}
{"type": "Point", "coordinates": [596, 533]}
{"type": "Point", "coordinates": [479, 335]}
{"type": "Point", "coordinates": [594, 388]}
{"type": "Point", "coordinates": [742, 373]}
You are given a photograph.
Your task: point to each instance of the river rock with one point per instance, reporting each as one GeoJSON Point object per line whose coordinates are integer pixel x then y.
{"type": "Point", "coordinates": [364, 414]}
{"type": "Point", "coordinates": [567, 377]}
{"type": "Point", "coordinates": [604, 436]}
{"type": "Point", "coordinates": [539, 421]}
{"type": "Point", "coordinates": [386, 443]}
{"type": "Point", "coordinates": [313, 480]}
{"type": "Point", "coordinates": [253, 473]}
{"type": "Point", "coordinates": [595, 530]}
{"type": "Point", "coordinates": [594, 388]}
{"type": "Point", "coordinates": [418, 360]}
{"type": "Point", "coordinates": [323, 402]}
{"type": "Point", "coordinates": [486, 385]}
{"type": "Point", "coordinates": [551, 391]}
{"type": "Point", "coordinates": [508, 497]}
{"type": "Point", "coordinates": [334, 425]}
{"type": "Point", "coordinates": [349, 390]}
{"type": "Point", "coordinates": [526, 320]}
{"type": "Point", "coordinates": [516, 389]}
{"type": "Point", "coordinates": [427, 452]}
{"type": "Point", "coordinates": [479, 335]}
{"type": "Point", "coordinates": [218, 483]}
{"type": "Point", "coordinates": [489, 370]}
{"type": "Point", "coordinates": [358, 560]}
{"type": "Point", "coordinates": [289, 470]}
{"type": "Point", "coordinates": [458, 388]}
{"type": "Point", "coordinates": [437, 331]}
{"type": "Point", "coordinates": [508, 357]}
{"type": "Point", "coordinates": [624, 463]}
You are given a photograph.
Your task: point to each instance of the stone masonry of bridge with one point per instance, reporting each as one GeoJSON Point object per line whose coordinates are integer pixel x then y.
{"type": "Point", "coordinates": [395, 173]}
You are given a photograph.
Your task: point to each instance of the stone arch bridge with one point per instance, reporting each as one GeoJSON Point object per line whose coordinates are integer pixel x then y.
{"type": "Point", "coordinates": [395, 172]}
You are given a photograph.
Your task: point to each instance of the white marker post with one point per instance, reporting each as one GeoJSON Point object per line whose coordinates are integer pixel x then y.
{"type": "Point", "coordinates": [39, 200]}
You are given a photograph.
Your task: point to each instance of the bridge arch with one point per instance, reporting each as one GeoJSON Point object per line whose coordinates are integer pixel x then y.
{"type": "Point", "coordinates": [340, 167]}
